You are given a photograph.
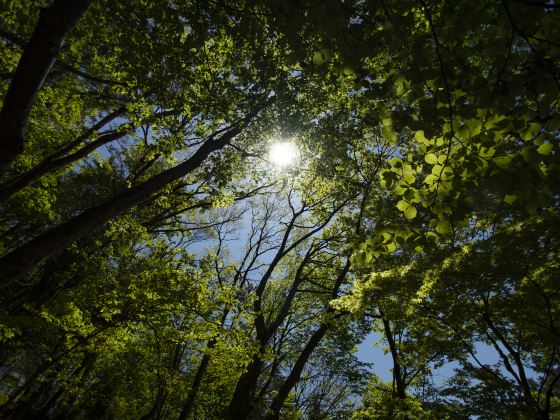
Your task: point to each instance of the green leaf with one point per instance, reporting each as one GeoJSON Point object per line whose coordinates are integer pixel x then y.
{"type": "Point", "coordinates": [503, 161]}
{"type": "Point", "coordinates": [388, 133]}
{"type": "Point", "coordinates": [420, 137]}
{"type": "Point", "coordinates": [402, 85]}
{"type": "Point", "coordinates": [553, 124]}
{"type": "Point", "coordinates": [402, 205]}
{"type": "Point", "coordinates": [538, 141]}
{"type": "Point", "coordinates": [391, 247]}
{"type": "Point", "coordinates": [430, 179]}
{"type": "Point", "coordinates": [443, 227]}
{"type": "Point", "coordinates": [348, 71]}
{"type": "Point", "coordinates": [410, 212]}
{"type": "Point", "coordinates": [431, 159]}
{"type": "Point", "coordinates": [318, 58]}
{"type": "Point", "coordinates": [386, 237]}
{"type": "Point", "coordinates": [545, 149]}
{"type": "Point", "coordinates": [401, 189]}
{"type": "Point", "coordinates": [409, 178]}
{"type": "Point", "coordinates": [530, 130]}
{"type": "Point", "coordinates": [447, 173]}
{"type": "Point", "coordinates": [396, 162]}
{"type": "Point", "coordinates": [510, 198]}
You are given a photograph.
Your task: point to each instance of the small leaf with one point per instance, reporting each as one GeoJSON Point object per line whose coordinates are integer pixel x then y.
{"type": "Point", "coordinates": [545, 148]}
{"type": "Point", "coordinates": [396, 162]}
{"type": "Point", "coordinates": [410, 212]}
{"type": "Point", "coordinates": [402, 205]}
{"type": "Point", "coordinates": [430, 179]}
{"type": "Point", "coordinates": [420, 136]}
{"type": "Point", "coordinates": [553, 124]}
{"type": "Point", "coordinates": [401, 189]}
{"type": "Point", "coordinates": [386, 237]}
{"type": "Point", "coordinates": [348, 71]}
{"type": "Point", "coordinates": [409, 178]}
{"type": "Point", "coordinates": [443, 227]}
{"type": "Point", "coordinates": [318, 58]}
{"type": "Point", "coordinates": [530, 130]}
{"type": "Point", "coordinates": [510, 198]}
{"type": "Point", "coordinates": [503, 161]}
{"type": "Point", "coordinates": [431, 159]}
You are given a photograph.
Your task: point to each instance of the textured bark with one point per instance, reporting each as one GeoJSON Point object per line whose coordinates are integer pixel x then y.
{"type": "Point", "coordinates": [22, 260]}
{"type": "Point", "coordinates": [201, 371]}
{"type": "Point", "coordinates": [54, 25]}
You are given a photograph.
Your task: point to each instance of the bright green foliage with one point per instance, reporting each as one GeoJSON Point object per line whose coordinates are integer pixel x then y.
{"type": "Point", "coordinates": [424, 208]}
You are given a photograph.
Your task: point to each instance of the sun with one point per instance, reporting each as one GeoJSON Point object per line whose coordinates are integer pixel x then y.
{"type": "Point", "coordinates": [283, 154]}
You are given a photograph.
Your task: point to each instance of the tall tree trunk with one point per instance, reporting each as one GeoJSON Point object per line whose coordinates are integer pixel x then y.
{"type": "Point", "coordinates": [157, 408]}
{"type": "Point", "coordinates": [13, 186]}
{"type": "Point", "coordinates": [63, 157]}
{"type": "Point", "coordinates": [243, 398]}
{"type": "Point", "coordinates": [32, 407]}
{"type": "Point", "coordinates": [397, 371]}
{"type": "Point", "coordinates": [304, 356]}
{"type": "Point", "coordinates": [188, 407]}
{"type": "Point", "coordinates": [201, 370]}
{"type": "Point", "coordinates": [242, 401]}
{"type": "Point", "coordinates": [66, 410]}
{"type": "Point", "coordinates": [23, 259]}
{"type": "Point", "coordinates": [9, 405]}
{"type": "Point", "coordinates": [296, 371]}
{"type": "Point", "coordinates": [54, 25]}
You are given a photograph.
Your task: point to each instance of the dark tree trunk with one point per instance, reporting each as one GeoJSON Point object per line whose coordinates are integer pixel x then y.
{"type": "Point", "coordinates": [54, 25]}
{"type": "Point", "coordinates": [65, 410]}
{"type": "Point", "coordinates": [48, 165]}
{"type": "Point", "coordinates": [21, 261]}
{"type": "Point", "coordinates": [188, 407]}
{"type": "Point", "coordinates": [9, 405]}
{"type": "Point", "coordinates": [156, 411]}
{"type": "Point", "coordinates": [62, 157]}
{"type": "Point", "coordinates": [296, 371]}
{"type": "Point", "coordinates": [397, 371]}
{"type": "Point", "coordinates": [243, 398]}
{"type": "Point", "coordinates": [201, 371]}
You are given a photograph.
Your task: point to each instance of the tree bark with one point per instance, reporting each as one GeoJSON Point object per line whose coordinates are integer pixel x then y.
{"type": "Point", "coordinates": [54, 25]}
{"type": "Point", "coordinates": [48, 165]}
{"type": "Point", "coordinates": [316, 337]}
{"type": "Point", "coordinates": [191, 398]}
{"type": "Point", "coordinates": [304, 356]}
{"type": "Point", "coordinates": [243, 398]}
{"type": "Point", "coordinates": [296, 371]}
{"type": "Point", "coordinates": [397, 373]}
{"type": "Point", "coordinates": [22, 260]}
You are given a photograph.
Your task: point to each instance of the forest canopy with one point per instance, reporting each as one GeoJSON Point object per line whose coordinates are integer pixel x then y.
{"type": "Point", "coordinates": [207, 206]}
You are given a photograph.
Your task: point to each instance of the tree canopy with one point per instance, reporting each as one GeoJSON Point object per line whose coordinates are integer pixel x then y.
{"type": "Point", "coordinates": [155, 263]}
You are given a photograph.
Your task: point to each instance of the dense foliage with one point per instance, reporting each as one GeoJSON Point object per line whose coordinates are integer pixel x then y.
{"type": "Point", "coordinates": [154, 264]}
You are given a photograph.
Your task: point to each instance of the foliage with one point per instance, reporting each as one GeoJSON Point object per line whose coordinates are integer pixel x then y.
{"type": "Point", "coordinates": [155, 265]}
